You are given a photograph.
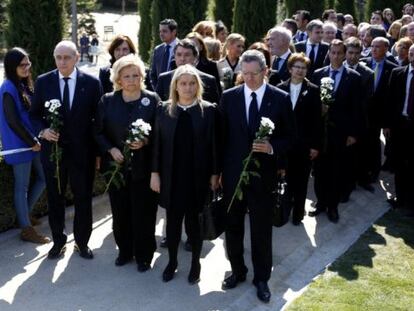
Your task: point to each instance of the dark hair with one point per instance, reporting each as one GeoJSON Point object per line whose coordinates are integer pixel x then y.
{"type": "Point", "coordinates": [340, 18]}
{"type": "Point", "coordinates": [305, 15]}
{"type": "Point", "coordinates": [172, 24]}
{"type": "Point", "coordinates": [187, 44]}
{"type": "Point", "coordinates": [378, 12]}
{"type": "Point", "coordinates": [326, 13]}
{"type": "Point", "coordinates": [292, 23]}
{"type": "Point", "coordinates": [117, 41]}
{"type": "Point", "coordinates": [377, 31]}
{"type": "Point", "coordinates": [196, 36]}
{"type": "Point", "coordinates": [12, 60]}
{"type": "Point", "coordinates": [219, 27]}
{"type": "Point", "coordinates": [261, 47]}
{"type": "Point", "coordinates": [337, 42]}
{"type": "Point", "coordinates": [353, 42]}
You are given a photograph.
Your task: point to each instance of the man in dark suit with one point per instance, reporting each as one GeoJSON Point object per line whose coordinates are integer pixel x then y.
{"type": "Point", "coordinates": [372, 32]}
{"type": "Point", "coordinates": [357, 169]}
{"type": "Point", "coordinates": [79, 95]}
{"type": "Point", "coordinates": [376, 113]}
{"type": "Point", "coordinates": [302, 19]}
{"type": "Point", "coordinates": [186, 52]}
{"type": "Point", "coordinates": [162, 56]}
{"type": "Point", "coordinates": [242, 107]}
{"type": "Point", "coordinates": [341, 129]}
{"type": "Point", "coordinates": [400, 128]}
{"type": "Point", "coordinates": [313, 47]}
{"type": "Point", "coordinates": [278, 41]}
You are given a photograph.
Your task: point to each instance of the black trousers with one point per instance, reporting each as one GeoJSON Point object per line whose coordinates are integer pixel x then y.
{"type": "Point", "coordinates": [372, 159]}
{"type": "Point", "coordinates": [257, 202]}
{"type": "Point", "coordinates": [403, 153]}
{"type": "Point", "coordinates": [134, 210]}
{"type": "Point", "coordinates": [328, 172]}
{"type": "Point", "coordinates": [299, 166]}
{"type": "Point", "coordinates": [81, 184]}
{"type": "Point", "coordinates": [350, 170]}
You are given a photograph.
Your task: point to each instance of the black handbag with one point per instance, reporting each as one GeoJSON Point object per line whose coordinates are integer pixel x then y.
{"type": "Point", "coordinates": [281, 206]}
{"type": "Point", "coordinates": [213, 217]}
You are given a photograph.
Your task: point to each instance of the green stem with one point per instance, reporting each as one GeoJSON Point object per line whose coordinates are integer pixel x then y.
{"type": "Point", "coordinates": [57, 173]}
{"type": "Point", "coordinates": [240, 180]}
{"type": "Point", "coordinates": [118, 166]}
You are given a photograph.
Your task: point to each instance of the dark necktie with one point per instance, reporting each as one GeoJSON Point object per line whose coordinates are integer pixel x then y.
{"type": "Point", "coordinates": [301, 36]}
{"type": "Point", "coordinates": [333, 77]}
{"type": "Point", "coordinates": [253, 115]}
{"type": "Point", "coordinates": [410, 103]}
{"type": "Point", "coordinates": [276, 63]}
{"type": "Point", "coordinates": [312, 54]}
{"type": "Point", "coordinates": [165, 59]}
{"type": "Point", "coordinates": [66, 100]}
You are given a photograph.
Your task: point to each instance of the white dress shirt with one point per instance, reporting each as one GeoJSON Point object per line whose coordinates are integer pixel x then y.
{"type": "Point", "coordinates": [248, 97]}
{"type": "Point", "coordinates": [294, 93]}
{"type": "Point", "coordinates": [71, 83]}
{"type": "Point", "coordinates": [407, 90]}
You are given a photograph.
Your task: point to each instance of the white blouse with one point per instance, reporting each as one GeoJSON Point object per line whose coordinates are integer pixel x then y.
{"type": "Point", "coordinates": [294, 93]}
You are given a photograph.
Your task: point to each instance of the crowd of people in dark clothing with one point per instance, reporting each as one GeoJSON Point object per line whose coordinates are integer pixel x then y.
{"type": "Point", "coordinates": [331, 88]}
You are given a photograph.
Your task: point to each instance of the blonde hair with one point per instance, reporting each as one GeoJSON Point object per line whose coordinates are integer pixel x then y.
{"type": "Point", "coordinates": [232, 38]}
{"type": "Point", "coordinates": [213, 48]}
{"type": "Point", "coordinates": [174, 97]}
{"type": "Point", "coordinates": [129, 60]}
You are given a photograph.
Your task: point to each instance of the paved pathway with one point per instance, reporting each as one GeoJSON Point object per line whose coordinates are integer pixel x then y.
{"type": "Point", "coordinates": [28, 280]}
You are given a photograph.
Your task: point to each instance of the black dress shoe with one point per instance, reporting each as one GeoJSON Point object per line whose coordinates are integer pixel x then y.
{"type": "Point", "coordinates": [194, 275]}
{"type": "Point", "coordinates": [164, 243]}
{"type": "Point", "coordinates": [187, 246]}
{"type": "Point", "coordinates": [56, 251]}
{"type": "Point", "coordinates": [316, 212]}
{"type": "Point", "coordinates": [232, 281]}
{"type": "Point", "coordinates": [395, 203]}
{"type": "Point", "coordinates": [169, 272]}
{"type": "Point", "coordinates": [143, 266]}
{"type": "Point", "coordinates": [333, 216]}
{"type": "Point", "coordinates": [367, 187]}
{"type": "Point", "coordinates": [84, 252]}
{"type": "Point", "coordinates": [263, 292]}
{"type": "Point", "coordinates": [121, 260]}
{"type": "Point", "coordinates": [296, 222]}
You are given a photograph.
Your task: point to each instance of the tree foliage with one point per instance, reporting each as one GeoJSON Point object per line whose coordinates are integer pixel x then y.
{"type": "Point", "coordinates": [223, 10]}
{"type": "Point", "coordinates": [314, 7]}
{"type": "Point", "coordinates": [37, 26]}
{"type": "Point", "coordinates": [395, 5]}
{"type": "Point", "coordinates": [144, 36]}
{"type": "Point", "coordinates": [253, 19]}
{"type": "Point", "coordinates": [346, 7]}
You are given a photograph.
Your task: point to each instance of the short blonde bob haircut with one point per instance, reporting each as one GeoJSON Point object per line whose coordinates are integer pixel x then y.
{"type": "Point", "coordinates": [174, 97]}
{"type": "Point", "coordinates": [129, 60]}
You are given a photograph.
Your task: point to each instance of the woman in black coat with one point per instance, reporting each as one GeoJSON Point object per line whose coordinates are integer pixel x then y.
{"type": "Point", "coordinates": [185, 162]}
{"type": "Point", "coordinates": [133, 205]}
{"type": "Point", "coordinates": [306, 105]}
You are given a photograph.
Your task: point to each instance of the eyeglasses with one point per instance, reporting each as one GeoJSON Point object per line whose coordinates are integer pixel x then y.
{"type": "Point", "coordinates": [25, 65]}
{"type": "Point", "coordinates": [299, 67]}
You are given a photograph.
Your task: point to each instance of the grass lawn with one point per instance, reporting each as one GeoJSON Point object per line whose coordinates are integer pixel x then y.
{"type": "Point", "coordinates": [376, 273]}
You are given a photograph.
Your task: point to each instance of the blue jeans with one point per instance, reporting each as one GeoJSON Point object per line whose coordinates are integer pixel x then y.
{"type": "Point", "coordinates": [25, 199]}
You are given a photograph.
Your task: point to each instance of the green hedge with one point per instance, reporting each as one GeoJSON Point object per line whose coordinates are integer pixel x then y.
{"type": "Point", "coordinates": [7, 214]}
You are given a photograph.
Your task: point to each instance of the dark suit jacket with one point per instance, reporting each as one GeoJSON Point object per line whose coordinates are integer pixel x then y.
{"type": "Point", "coordinates": [320, 56]}
{"type": "Point", "coordinates": [205, 149]}
{"type": "Point", "coordinates": [283, 72]}
{"type": "Point", "coordinates": [210, 94]}
{"type": "Point", "coordinates": [308, 114]}
{"type": "Point", "coordinates": [111, 127]}
{"type": "Point", "coordinates": [376, 111]}
{"type": "Point", "coordinates": [157, 57]}
{"type": "Point", "coordinates": [76, 136]}
{"type": "Point", "coordinates": [344, 113]}
{"type": "Point", "coordinates": [396, 96]}
{"type": "Point", "coordinates": [237, 141]}
{"type": "Point", "coordinates": [210, 67]}
{"type": "Point", "coordinates": [367, 89]}
{"type": "Point", "coordinates": [274, 78]}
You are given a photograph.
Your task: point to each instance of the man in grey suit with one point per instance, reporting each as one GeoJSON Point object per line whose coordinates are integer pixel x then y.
{"type": "Point", "coordinates": [164, 52]}
{"type": "Point", "coordinates": [357, 168]}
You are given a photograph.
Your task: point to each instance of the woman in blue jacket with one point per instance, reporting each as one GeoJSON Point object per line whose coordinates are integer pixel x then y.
{"type": "Point", "coordinates": [16, 133]}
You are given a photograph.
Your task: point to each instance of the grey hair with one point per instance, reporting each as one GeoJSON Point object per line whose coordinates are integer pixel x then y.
{"type": "Point", "coordinates": [254, 56]}
{"type": "Point", "coordinates": [66, 44]}
{"type": "Point", "coordinates": [330, 25]}
{"type": "Point", "coordinates": [383, 40]}
{"type": "Point", "coordinates": [286, 33]}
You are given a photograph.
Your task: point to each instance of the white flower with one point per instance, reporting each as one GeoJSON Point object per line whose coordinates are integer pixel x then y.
{"type": "Point", "coordinates": [266, 122]}
{"type": "Point", "coordinates": [145, 101]}
{"type": "Point", "coordinates": [47, 104]}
